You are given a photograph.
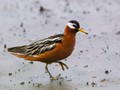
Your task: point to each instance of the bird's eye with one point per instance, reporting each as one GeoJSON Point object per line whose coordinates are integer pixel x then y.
{"type": "Point", "coordinates": [74, 25]}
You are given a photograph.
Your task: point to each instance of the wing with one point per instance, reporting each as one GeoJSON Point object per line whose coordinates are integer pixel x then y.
{"type": "Point", "coordinates": [44, 45]}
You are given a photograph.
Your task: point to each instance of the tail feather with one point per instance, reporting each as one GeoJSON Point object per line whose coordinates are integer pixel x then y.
{"type": "Point", "coordinates": [19, 49]}
{"type": "Point", "coordinates": [20, 52]}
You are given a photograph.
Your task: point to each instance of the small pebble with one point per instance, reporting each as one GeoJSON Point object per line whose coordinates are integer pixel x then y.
{"type": "Point", "coordinates": [46, 22]}
{"type": "Point", "coordinates": [42, 9]}
{"type": "Point", "coordinates": [103, 80]}
{"type": "Point", "coordinates": [70, 11]}
{"type": "Point", "coordinates": [5, 46]}
{"type": "Point", "coordinates": [22, 83]}
{"type": "Point", "coordinates": [29, 82]}
{"type": "Point", "coordinates": [21, 25]}
{"type": "Point", "coordinates": [97, 9]}
{"type": "Point", "coordinates": [118, 33]}
{"type": "Point", "coordinates": [81, 51]}
{"type": "Point", "coordinates": [19, 70]}
{"type": "Point", "coordinates": [31, 62]}
{"type": "Point", "coordinates": [10, 74]}
{"type": "Point", "coordinates": [86, 50]}
{"type": "Point", "coordinates": [85, 66]}
{"type": "Point", "coordinates": [93, 84]}
{"type": "Point", "coordinates": [15, 72]}
{"type": "Point", "coordinates": [14, 84]}
{"type": "Point", "coordinates": [94, 77]}
{"type": "Point", "coordinates": [65, 76]}
{"type": "Point", "coordinates": [87, 83]}
{"type": "Point", "coordinates": [39, 85]}
{"type": "Point", "coordinates": [94, 35]}
{"type": "Point", "coordinates": [106, 72]}
{"type": "Point", "coordinates": [24, 30]}
{"type": "Point", "coordinates": [76, 88]}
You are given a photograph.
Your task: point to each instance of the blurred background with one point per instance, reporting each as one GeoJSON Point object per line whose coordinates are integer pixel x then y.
{"type": "Point", "coordinates": [95, 62]}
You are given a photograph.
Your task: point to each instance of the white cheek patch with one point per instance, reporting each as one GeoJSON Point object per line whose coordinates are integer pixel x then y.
{"type": "Point", "coordinates": [70, 25]}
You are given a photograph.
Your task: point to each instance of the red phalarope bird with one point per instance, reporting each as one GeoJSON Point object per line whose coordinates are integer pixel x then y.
{"type": "Point", "coordinates": [51, 49]}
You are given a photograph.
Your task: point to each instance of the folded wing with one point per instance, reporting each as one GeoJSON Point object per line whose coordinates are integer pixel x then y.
{"type": "Point", "coordinates": [39, 46]}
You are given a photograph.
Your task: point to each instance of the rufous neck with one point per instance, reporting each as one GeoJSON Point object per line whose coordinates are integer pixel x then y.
{"type": "Point", "coordinates": [69, 31]}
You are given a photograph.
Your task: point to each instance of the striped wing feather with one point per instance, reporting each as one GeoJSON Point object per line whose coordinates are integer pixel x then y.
{"type": "Point", "coordinates": [44, 45]}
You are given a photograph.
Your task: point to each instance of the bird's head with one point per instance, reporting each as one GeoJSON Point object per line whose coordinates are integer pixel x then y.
{"type": "Point", "coordinates": [74, 25]}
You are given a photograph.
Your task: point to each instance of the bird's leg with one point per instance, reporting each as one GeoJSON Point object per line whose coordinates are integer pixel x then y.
{"type": "Point", "coordinates": [46, 67]}
{"type": "Point", "coordinates": [63, 65]}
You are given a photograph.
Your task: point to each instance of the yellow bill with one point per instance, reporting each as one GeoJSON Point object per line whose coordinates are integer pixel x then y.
{"type": "Point", "coordinates": [82, 30]}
